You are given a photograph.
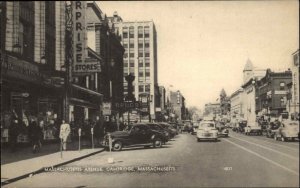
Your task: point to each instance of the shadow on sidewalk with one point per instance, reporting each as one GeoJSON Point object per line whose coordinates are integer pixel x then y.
{"type": "Point", "coordinates": [24, 152]}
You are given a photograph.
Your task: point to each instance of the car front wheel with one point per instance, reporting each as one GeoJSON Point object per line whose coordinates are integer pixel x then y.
{"type": "Point", "coordinates": [157, 143]}
{"type": "Point", "coordinates": [117, 146]}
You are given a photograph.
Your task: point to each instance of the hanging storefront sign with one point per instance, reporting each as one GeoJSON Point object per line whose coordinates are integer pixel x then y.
{"type": "Point", "coordinates": [106, 108]}
{"type": "Point", "coordinates": [81, 63]}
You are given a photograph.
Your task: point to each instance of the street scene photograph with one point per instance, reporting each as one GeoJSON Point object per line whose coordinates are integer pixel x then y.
{"type": "Point", "coordinates": [149, 93]}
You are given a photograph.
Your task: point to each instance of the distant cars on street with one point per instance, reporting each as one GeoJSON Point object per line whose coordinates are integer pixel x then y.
{"type": "Point", "coordinates": [253, 128]}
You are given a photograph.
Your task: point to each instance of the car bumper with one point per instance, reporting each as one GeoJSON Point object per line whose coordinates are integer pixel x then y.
{"type": "Point", "coordinates": [207, 136]}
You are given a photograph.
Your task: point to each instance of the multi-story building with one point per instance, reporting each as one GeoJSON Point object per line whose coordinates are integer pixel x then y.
{"type": "Point", "coordinates": [293, 101]}
{"type": "Point", "coordinates": [103, 39]}
{"type": "Point", "coordinates": [140, 58]}
{"type": "Point", "coordinates": [271, 93]}
{"type": "Point", "coordinates": [236, 107]}
{"type": "Point", "coordinates": [161, 108]}
{"type": "Point", "coordinates": [32, 57]}
{"type": "Point", "coordinates": [177, 103]}
{"type": "Point", "coordinates": [212, 109]}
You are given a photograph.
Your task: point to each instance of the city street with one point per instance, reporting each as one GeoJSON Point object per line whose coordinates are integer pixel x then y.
{"type": "Point", "coordinates": [240, 160]}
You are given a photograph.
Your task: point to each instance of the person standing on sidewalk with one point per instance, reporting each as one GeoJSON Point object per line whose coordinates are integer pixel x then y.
{"type": "Point", "coordinates": [13, 133]}
{"type": "Point", "coordinates": [35, 134]}
{"type": "Point", "coordinates": [64, 133]}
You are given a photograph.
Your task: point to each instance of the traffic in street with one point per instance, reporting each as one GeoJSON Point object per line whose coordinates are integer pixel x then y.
{"type": "Point", "coordinates": [231, 161]}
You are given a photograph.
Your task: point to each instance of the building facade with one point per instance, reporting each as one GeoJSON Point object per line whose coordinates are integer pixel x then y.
{"type": "Point", "coordinates": [236, 101]}
{"type": "Point", "coordinates": [212, 109]}
{"type": "Point", "coordinates": [293, 103]}
{"type": "Point", "coordinates": [140, 58]}
{"type": "Point", "coordinates": [271, 93]}
{"type": "Point", "coordinates": [251, 75]}
{"type": "Point", "coordinates": [32, 83]}
{"type": "Point", "coordinates": [103, 39]}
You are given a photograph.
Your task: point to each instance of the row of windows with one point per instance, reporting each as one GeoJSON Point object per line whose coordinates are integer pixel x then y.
{"type": "Point", "coordinates": [146, 33]}
{"type": "Point", "coordinates": [145, 88]}
{"type": "Point", "coordinates": [140, 64]}
{"type": "Point", "coordinates": [140, 45]}
{"type": "Point", "coordinates": [147, 54]}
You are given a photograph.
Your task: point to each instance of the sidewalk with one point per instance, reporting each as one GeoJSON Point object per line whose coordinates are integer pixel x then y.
{"type": "Point", "coordinates": [21, 164]}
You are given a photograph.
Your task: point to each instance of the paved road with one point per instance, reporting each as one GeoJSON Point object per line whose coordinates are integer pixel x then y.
{"type": "Point", "coordinates": [252, 161]}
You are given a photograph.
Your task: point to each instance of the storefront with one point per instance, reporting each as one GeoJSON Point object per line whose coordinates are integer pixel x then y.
{"type": "Point", "coordinates": [84, 107]}
{"type": "Point", "coordinates": [28, 94]}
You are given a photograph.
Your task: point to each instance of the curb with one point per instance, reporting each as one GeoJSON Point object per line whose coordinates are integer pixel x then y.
{"type": "Point", "coordinates": [6, 182]}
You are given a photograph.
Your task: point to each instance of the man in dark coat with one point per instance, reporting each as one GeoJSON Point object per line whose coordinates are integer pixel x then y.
{"type": "Point", "coordinates": [35, 135]}
{"type": "Point", "coordinates": [13, 133]}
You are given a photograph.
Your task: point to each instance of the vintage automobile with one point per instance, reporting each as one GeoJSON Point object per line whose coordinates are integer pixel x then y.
{"type": "Point", "coordinates": [207, 131]}
{"type": "Point", "coordinates": [160, 129]}
{"type": "Point", "coordinates": [187, 126]}
{"type": "Point", "coordinates": [195, 127]}
{"type": "Point", "coordinates": [253, 128]}
{"type": "Point", "coordinates": [272, 128]}
{"type": "Point", "coordinates": [138, 135]}
{"type": "Point", "coordinates": [288, 130]}
{"type": "Point", "coordinates": [222, 129]}
{"type": "Point", "coordinates": [241, 126]}
{"type": "Point", "coordinates": [172, 131]}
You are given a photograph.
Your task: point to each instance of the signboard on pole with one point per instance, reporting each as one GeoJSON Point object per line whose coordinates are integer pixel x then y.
{"type": "Point", "coordinates": [127, 105]}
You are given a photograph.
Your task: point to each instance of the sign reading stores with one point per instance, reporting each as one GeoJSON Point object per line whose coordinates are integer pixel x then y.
{"type": "Point", "coordinates": [79, 39]}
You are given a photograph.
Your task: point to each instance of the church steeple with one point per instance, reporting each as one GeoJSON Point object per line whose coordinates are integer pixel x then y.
{"type": "Point", "coordinates": [248, 70]}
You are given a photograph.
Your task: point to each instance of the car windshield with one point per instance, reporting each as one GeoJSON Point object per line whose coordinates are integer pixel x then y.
{"type": "Point", "coordinates": [206, 125]}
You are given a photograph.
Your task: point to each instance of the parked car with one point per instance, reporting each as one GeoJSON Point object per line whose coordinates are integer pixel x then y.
{"type": "Point", "coordinates": [175, 126]}
{"type": "Point", "coordinates": [188, 127]}
{"type": "Point", "coordinates": [241, 126]}
{"type": "Point", "coordinates": [289, 130]}
{"type": "Point", "coordinates": [253, 129]}
{"type": "Point", "coordinates": [272, 128]}
{"type": "Point", "coordinates": [195, 128]}
{"type": "Point", "coordinates": [138, 135]}
{"type": "Point", "coordinates": [207, 131]}
{"type": "Point", "coordinates": [222, 129]}
{"type": "Point", "coordinates": [159, 128]}
{"type": "Point", "coordinates": [169, 128]}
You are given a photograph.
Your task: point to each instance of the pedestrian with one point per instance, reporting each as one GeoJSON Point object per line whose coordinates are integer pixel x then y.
{"type": "Point", "coordinates": [64, 133]}
{"type": "Point", "coordinates": [13, 133]}
{"type": "Point", "coordinates": [35, 134]}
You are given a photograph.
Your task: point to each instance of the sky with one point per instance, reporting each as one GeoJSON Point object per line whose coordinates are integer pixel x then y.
{"type": "Point", "coordinates": [203, 46]}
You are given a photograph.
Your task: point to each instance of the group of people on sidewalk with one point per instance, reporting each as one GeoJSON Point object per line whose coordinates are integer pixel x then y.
{"type": "Point", "coordinates": [89, 130]}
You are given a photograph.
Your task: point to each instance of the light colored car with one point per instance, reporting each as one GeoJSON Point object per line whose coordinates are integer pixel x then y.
{"type": "Point", "coordinates": [288, 130]}
{"type": "Point", "coordinates": [253, 129]}
{"type": "Point", "coordinates": [207, 131]}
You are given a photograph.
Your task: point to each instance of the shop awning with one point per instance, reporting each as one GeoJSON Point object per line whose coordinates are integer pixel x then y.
{"type": "Point", "coordinates": [87, 90]}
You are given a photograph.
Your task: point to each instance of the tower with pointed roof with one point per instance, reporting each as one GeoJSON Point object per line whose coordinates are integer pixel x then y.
{"type": "Point", "coordinates": [248, 71]}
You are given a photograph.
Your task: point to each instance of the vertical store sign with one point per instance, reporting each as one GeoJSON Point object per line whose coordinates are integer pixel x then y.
{"type": "Point", "coordinates": [79, 32]}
